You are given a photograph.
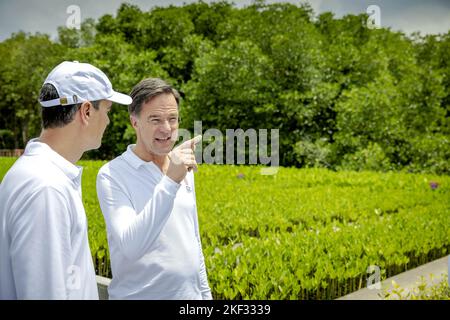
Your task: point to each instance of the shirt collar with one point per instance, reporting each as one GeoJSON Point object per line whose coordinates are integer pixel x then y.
{"type": "Point", "coordinates": [132, 158]}
{"type": "Point", "coordinates": [35, 147]}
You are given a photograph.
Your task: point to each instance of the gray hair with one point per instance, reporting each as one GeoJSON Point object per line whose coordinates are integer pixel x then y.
{"type": "Point", "coordinates": [146, 90]}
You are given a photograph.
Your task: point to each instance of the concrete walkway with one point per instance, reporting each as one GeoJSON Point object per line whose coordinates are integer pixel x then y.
{"type": "Point", "coordinates": [407, 280]}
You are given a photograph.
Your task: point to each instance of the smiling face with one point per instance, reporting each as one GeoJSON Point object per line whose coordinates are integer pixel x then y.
{"type": "Point", "coordinates": [157, 125]}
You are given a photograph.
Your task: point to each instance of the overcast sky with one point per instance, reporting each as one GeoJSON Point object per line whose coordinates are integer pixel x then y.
{"type": "Point", "coordinates": [426, 16]}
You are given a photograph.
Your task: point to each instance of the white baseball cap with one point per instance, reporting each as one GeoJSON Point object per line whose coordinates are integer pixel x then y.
{"type": "Point", "coordinates": [78, 82]}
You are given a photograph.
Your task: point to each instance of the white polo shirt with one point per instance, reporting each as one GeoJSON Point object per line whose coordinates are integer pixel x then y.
{"type": "Point", "coordinates": [44, 250]}
{"type": "Point", "coordinates": [153, 232]}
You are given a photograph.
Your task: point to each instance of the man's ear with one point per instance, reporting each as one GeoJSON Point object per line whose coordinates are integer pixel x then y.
{"type": "Point", "coordinates": [85, 111]}
{"type": "Point", "coordinates": [133, 120]}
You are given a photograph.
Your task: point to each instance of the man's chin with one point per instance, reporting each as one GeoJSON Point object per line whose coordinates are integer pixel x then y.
{"type": "Point", "coordinates": [162, 151]}
{"type": "Point", "coordinates": [93, 147]}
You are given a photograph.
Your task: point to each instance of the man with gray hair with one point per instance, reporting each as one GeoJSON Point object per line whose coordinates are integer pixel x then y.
{"type": "Point", "coordinates": [147, 197]}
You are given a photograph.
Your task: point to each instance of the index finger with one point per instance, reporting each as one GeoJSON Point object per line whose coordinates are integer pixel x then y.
{"type": "Point", "coordinates": [196, 140]}
{"type": "Point", "coordinates": [190, 143]}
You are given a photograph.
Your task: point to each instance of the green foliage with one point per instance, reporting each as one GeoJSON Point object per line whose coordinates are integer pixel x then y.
{"type": "Point", "coordinates": [317, 232]}
{"type": "Point", "coordinates": [165, 27]}
{"type": "Point", "coordinates": [314, 154]}
{"type": "Point", "coordinates": [207, 17]}
{"type": "Point", "coordinates": [431, 152]}
{"type": "Point", "coordinates": [26, 61]}
{"type": "Point", "coordinates": [422, 291]}
{"type": "Point", "coordinates": [179, 61]}
{"type": "Point", "coordinates": [239, 101]}
{"type": "Point", "coordinates": [370, 158]}
{"type": "Point", "coordinates": [302, 233]}
{"type": "Point", "coordinates": [260, 23]}
{"type": "Point", "coordinates": [74, 38]}
{"type": "Point", "coordinates": [6, 138]}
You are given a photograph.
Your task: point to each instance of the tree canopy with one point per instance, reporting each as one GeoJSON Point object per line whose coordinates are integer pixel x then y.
{"type": "Point", "coordinates": [342, 95]}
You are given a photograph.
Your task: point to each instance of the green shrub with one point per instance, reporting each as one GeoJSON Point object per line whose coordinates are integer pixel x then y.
{"type": "Point", "coordinates": [314, 154]}
{"type": "Point", "coordinates": [422, 291]}
{"type": "Point", "coordinates": [370, 158]}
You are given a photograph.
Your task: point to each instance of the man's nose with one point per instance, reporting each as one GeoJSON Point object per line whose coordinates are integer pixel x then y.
{"type": "Point", "coordinates": [165, 126]}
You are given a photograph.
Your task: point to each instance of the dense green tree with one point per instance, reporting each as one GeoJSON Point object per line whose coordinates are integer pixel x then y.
{"type": "Point", "coordinates": [343, 96]}
{"type": "Point", "coordinates": [207, 17]}
{"type": "Point", "coordinates": [26, 61]}
{"type": "Point", "coordinates": [165, 27]}
{"type": "Point", "coordinates": [243, 98]}
{"type": "Point", "coordinates": [179, 60]}
{"type": "Point", "coordinates": [433, 52]}
{"type": "Point", "coordinates": [75, 38]}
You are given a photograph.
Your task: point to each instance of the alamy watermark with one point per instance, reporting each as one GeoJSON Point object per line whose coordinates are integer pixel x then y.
{"type": "Point", "coordinates": [374, 19]}
{"type": "Point", "coordinates": [374, 279]}
{"type": "Point", "coordinates": [263, 146]}
{"type": "Point", "coordinates": [74, 19]}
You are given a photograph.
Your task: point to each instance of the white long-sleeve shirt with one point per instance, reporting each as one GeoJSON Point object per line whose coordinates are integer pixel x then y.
{"type": "Point", "coordinates": [44, 249]}
{"type": "Point", "coordinates": [153, 232]}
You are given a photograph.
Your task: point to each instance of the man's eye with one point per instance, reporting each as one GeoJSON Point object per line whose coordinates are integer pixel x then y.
{"type": "Point", "coordinates": [155, 121]}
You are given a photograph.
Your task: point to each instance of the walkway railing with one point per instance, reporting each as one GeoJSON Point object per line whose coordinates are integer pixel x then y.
{"type": "Point", "coordinates": [11, 152]}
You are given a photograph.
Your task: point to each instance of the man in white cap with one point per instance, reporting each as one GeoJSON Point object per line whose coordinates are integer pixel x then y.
{"type": "Point", "coordinates": [44, 249]}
